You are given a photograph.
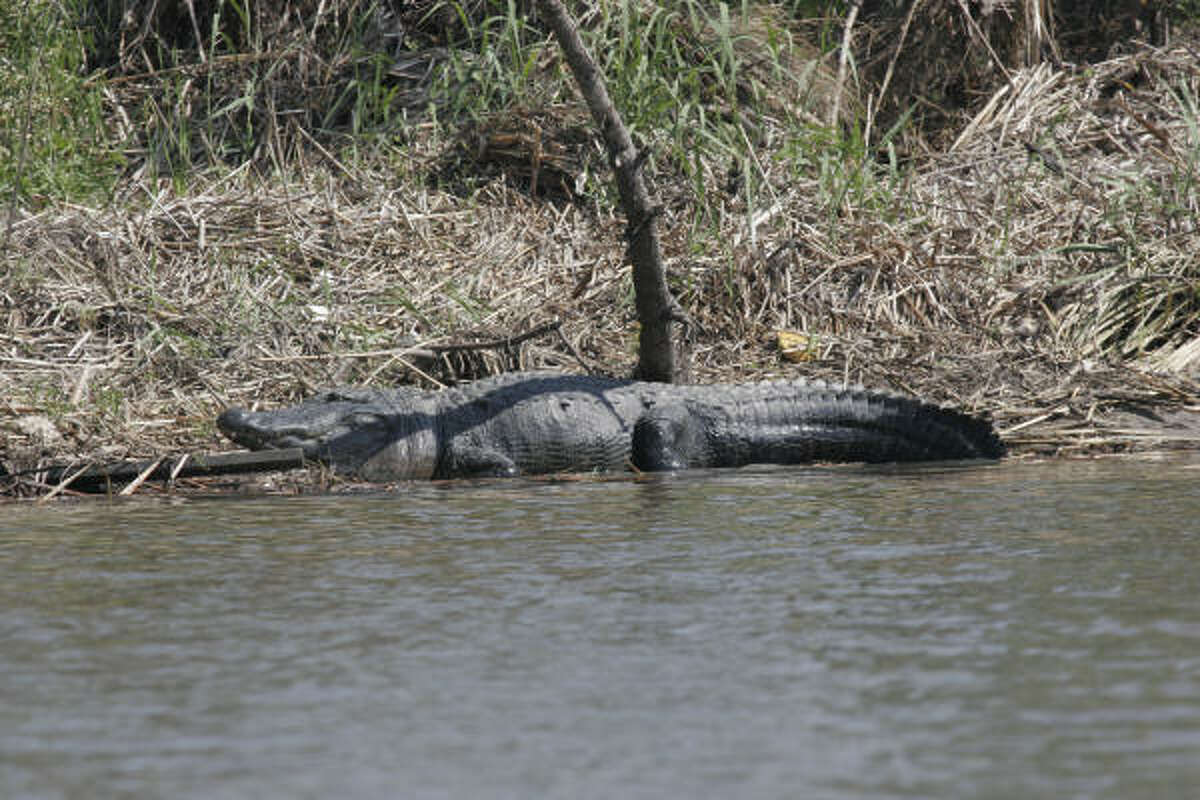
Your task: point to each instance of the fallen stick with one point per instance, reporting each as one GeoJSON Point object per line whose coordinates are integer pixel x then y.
{"type": "Point", "coordinates": [98, 478]}
{"type": "Point", "coordinates": [142, 476]}
{"type": "Point", "coordinates": [63, 484]}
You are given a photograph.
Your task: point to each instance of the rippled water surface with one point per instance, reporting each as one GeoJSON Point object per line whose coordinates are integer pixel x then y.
{"type": "Point", "coordinates": [999, 631]}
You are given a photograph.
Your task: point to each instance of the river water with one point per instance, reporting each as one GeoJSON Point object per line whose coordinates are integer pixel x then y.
{"type": "Point", "coordinates": [999, 631]}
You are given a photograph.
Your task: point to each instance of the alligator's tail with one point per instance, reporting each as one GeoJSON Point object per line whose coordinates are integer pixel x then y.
{"type": "Point", "coordinates": [805, 422]}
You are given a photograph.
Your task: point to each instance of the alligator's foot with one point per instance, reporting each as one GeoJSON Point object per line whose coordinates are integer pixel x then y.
{"type": "Point", "coordinates": [667, 438]}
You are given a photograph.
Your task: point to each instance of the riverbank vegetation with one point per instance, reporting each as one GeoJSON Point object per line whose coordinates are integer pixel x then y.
{"type": "Point", "coordinates": [217, 202]}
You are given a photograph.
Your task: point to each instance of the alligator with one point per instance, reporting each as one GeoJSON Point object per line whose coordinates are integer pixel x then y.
{"type": "Point", "coordinates": [528, 423]}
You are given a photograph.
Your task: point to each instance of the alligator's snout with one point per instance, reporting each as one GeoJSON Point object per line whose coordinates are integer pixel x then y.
{"type": "Point", "coordinates": [326, 431]}
{"type": "Point", "coordinates": [254, 431]}
{"type": "Point", "coordinates": [237, 424]}
{"type": "Point", "coordinates": [233, 419]}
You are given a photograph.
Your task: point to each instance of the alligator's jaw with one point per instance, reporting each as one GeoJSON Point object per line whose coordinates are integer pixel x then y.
{"type": "Point", "coordinates": [351, 437]}
{"type": "Point", "coordinates": [343, 434]}
{"type": "Point", "coordinates": [255, 431]}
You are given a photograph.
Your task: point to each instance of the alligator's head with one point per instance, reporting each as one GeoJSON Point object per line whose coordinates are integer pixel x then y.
{"type": "Point", "coordinates": [352, 436]}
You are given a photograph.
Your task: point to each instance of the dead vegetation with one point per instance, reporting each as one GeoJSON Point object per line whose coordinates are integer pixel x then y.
{"type": "Point", "coordinates": [1035, 259]}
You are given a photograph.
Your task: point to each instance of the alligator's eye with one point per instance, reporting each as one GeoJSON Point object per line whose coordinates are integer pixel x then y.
{"type": "Point", "coordinates": [363, 419]}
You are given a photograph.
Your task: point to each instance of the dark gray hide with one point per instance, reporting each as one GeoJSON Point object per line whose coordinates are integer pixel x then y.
{"type": "Point", "coordinates": [542, 422]}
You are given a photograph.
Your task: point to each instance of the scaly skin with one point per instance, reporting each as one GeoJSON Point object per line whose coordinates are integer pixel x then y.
{"type": "Point", "coordinates": [541, 422]}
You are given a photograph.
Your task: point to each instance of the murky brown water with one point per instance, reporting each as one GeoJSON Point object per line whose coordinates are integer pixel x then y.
{"type": "Point", "coordinates": [1004, 631]}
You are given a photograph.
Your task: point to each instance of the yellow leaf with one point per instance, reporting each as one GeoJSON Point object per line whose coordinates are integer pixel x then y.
{"type": "Point", "coordinates": [798, 347]}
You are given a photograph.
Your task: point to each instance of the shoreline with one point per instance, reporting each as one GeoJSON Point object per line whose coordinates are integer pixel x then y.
{"type": "Point", "coordinates": [1035, 268]}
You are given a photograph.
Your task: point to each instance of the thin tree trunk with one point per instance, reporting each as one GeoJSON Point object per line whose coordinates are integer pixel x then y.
{"type": "Point", "coordinates": [656, 309]}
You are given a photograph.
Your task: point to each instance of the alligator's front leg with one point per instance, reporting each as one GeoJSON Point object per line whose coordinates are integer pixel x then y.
{"type": "Point", "coordinates": [468, 461]}
{"type": "Point", "coordinates": [669, 437]}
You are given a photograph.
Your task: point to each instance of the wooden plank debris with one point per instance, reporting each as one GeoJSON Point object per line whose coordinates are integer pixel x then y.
{"type": "Point", "coordinates": [99, 477]}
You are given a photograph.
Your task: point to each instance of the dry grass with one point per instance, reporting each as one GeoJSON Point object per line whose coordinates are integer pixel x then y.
{"type": "Point", "coordinates": [1045, 263]}
{"type": "Point", "coordinates": [1042, 269]}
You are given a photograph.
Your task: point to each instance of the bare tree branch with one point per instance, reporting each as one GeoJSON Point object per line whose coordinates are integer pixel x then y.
{"type": "Point", "coordinates": [656, 309]}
